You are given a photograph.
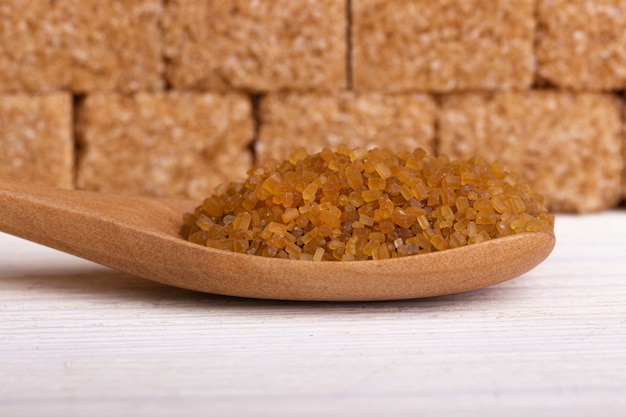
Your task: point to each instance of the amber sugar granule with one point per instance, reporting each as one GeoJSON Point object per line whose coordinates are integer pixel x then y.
{"type": "Point", "coordinates": [358, 204]}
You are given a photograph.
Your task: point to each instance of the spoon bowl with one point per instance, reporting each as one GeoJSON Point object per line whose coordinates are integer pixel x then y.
{"type": "Point", "coordinates": [140, 235]}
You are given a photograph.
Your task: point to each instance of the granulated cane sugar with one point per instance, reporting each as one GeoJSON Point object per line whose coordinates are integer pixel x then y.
{"type": "Point", "coordinates": [359, 204]}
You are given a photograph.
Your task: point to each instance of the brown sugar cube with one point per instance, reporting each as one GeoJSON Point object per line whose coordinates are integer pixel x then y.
{"type": "Point", "coordinates": [163, 144]}
{"type": "Point", "coordinates": [113, 45]}
{"type": "Point", "coordinates": [256, 46]}
{"type": "Point", "coordinates": [580, 44]}
{"type": "Point", "coordinates": [313, 121]}
{"type": "Point", "coordinates": [85, 45]}
{"type": "Point", "coordinates": [566, 145]}
{"type": "Point", "coordinates": [36, 138]}
{"type": "Point", "coordinates": [31, 51]}
{"type": "Point", "coordinates": [442, 46]}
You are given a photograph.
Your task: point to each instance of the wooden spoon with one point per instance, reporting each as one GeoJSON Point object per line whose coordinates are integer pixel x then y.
{"type": "Point", "coordinates": [140, 236]}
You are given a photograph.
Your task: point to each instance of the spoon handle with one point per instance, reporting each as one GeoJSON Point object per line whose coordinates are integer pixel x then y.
{"type": "Point", "coordinates": [83, 222]}
{"type": "Point", "coordinates": [37, 212]}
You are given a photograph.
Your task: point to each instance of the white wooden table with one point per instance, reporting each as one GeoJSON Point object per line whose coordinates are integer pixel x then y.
{"type": "Point", "coordinates": [78, 339]}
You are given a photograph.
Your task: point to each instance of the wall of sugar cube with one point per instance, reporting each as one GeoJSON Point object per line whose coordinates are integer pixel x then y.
{"type": "Point", "coordinates": [172, 97]}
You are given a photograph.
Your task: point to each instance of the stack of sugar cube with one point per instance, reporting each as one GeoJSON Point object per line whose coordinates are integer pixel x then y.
{"type": "Point", "coordinates": [173, 97]}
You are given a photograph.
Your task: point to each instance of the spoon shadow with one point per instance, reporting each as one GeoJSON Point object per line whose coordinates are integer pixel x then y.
{"type": "Point", "coordinates": [100, 285]}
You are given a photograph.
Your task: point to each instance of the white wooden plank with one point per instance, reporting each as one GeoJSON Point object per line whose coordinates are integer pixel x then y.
{"type": "Point", "coordinates": [80, 339]}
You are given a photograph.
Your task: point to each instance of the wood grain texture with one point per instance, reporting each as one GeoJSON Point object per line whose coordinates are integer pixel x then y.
{"type": "Point", "coordinates": [80, 339]}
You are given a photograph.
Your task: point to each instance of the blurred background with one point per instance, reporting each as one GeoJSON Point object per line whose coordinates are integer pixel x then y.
{"type": "Point", "coordinates": [172, 97]}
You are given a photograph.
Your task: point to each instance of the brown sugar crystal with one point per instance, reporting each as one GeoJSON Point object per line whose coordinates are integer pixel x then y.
{"type": "Point", "coordinates": [314, 121]}
{"type": "Point", "coordinates": [359, 204]}
{"type": "Point", "coordinates": [580, 44]}
{"type": "Point", "coordinates": [256, 46]}
{"type": "Point", "coordinates": [442, 46]}
{"type": "Point", "coordinates": [163, 144]}
{"type": "Point", "coordinates": [566, 145]}
{"type": "Point", "coordinates": [36, 138]}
